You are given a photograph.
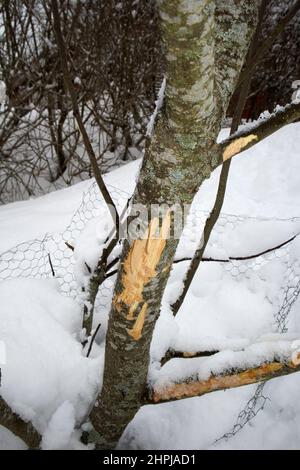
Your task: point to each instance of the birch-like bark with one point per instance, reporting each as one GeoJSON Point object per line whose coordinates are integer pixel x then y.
{"type": "Point", "coordinates": [178, 159]}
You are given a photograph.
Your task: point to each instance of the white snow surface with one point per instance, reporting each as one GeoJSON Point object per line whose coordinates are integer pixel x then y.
{"type": "Point", "coordinates": [2, 93]}
{"type": "Point", "coordinates": [48, 380]}
{"type": "Point", "coordinates": [44, 360]}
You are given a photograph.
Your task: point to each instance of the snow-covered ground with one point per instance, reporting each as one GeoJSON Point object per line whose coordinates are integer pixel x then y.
{"type": "Point", "coordinates": [47, 379]}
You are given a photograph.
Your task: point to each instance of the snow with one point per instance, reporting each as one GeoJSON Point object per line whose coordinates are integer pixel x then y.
{"type": "Point", "coordinates": [2, 353]}
{"type": "Point", "coordinates": [60, 428]}
{"type": "Point", "coordinates": [90, 245]}
{"type": "Point", "coordinates": [158, 106]}
{"type": "Point", "coordinates": [45, 366]}
{"type": "Point", "coordinates": [77, 81]}
{"type": "Point", "coordinates": [25, 220]}
{"type": "Point", "coordinates": [230, 308]}
{"type": "Point", "coordinates": [263, 350]}
{"type": "Point", "coordinates": [296, 94]}
{"type": "Point", "coordinates": [2, 93]}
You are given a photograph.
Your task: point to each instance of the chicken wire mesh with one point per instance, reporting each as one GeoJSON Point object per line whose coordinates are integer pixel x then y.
{"type": "Point", "coordinates": [288, 295]}
{"type": "Point", "coordinates": [52, 256]}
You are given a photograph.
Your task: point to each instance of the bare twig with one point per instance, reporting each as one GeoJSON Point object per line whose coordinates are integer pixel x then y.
{"type": "Point", "coordinates": [92, 340]}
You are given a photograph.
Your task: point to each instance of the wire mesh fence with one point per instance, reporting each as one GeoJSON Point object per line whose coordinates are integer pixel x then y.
{"type": "Point", "coordinates": [51, 256]}
{"type": "Point", "coordinates": [288, 295]}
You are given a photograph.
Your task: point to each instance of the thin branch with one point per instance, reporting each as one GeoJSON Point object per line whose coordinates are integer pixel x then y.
{"type": "Point", "coordinates": [51, 265]}
{"type": "Point", "coordinates": [179, 391]}
{"type": "Point", "coordinates": [172, 354]}
{"type": "Point", "coordinates": [71, 247]}
{"type": "Point", "coordinates": [212, 260]}
{"type": "Point", "coordinates": [227, 149]}
{"type": "Point", "coordinates": [92, 340]}
{"type": "Point", "coordinates": [17, 426]}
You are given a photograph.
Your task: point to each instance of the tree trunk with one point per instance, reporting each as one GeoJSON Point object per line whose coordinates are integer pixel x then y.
{"type": "Point", "coordinates": [179, 158]}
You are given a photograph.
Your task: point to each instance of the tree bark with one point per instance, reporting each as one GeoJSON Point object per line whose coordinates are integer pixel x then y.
{"type": "Point", "coordinates": [179, 158]}
{"type": "Point", "coordinates": [211, 221]}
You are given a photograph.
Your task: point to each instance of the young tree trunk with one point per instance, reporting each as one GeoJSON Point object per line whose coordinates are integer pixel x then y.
{"type": "Point", "coordinates": [206, 43]}
{"type": "Point", "coordinates": [242, 94]}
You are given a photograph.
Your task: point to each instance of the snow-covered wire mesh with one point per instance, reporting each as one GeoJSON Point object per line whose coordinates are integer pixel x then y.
{"type": "Point", "coordinates": [289, 293]}
{"type": "Point", "coordinates": [253, 406]}
{"type": "Point", "coordinates": [51, 256]}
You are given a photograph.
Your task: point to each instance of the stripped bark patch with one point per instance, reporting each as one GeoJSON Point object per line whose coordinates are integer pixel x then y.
{"type": "Point", "coordinates": [136, 331]}
{"type": "Point", "coordinates": [139, 268]}
{"type": "Point", "coordinates": [237, 146]}
{"type": "Point", "coordinates": [178, 391]}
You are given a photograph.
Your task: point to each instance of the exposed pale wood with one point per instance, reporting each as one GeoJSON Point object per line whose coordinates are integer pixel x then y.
{"type": "Point", "coordinates": [193, 388]}
{"type": "Point", "coordinates": [238, 145]}
{"type": "Point", "coordinates": [139, 268]}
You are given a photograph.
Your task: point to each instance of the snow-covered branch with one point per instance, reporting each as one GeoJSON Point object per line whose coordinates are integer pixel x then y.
{"type": "Point", "coordinates": [267, 358]}
{"type": "Point", "coordinates": [17, 426]}
{"type": "Point", "coordinates": [252, 134]}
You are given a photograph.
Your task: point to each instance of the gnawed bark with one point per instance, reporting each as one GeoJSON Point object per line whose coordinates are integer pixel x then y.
{"type": "Point", "coordinates": [245, 139]}
{"type": "Point", "coordinates": [179, 158]}
{"type": "Point", "coordinates": [179, 391]}
{"type": "Point", "coordinates": [233, 375]}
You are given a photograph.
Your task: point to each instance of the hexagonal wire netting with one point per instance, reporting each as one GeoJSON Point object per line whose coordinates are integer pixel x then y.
{"type": "Point", "coordinates": [50, 256]}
